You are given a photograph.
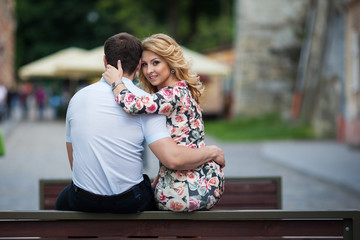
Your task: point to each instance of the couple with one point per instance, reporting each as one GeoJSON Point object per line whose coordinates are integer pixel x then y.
{"type": "Point", "coordinates": [104, 143]}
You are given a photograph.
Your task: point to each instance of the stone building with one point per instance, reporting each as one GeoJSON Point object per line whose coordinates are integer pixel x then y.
{"type": "Point", "coordinates": [319, 90]}
{"type": "Point", "coordinates": [300, 58]}
{"type": "Point", "coordinates": [7, 42]}
{"type": "Point", "coordinates": [352, 80]}
{"type": "Point", "coordinates": [267, 46]}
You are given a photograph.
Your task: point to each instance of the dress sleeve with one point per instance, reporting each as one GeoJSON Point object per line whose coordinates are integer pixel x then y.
{"type": "Point", "coordinates": [161, 102]}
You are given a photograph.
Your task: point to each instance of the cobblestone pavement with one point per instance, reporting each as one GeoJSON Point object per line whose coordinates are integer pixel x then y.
{"type": "Point", "coordinates": [36, 150]}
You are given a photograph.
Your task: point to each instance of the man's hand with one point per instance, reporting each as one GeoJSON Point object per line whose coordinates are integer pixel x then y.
{"type": "Point", "coordinates": [219, 155]}
{"type": "Point", "coordinates": [112, 74]}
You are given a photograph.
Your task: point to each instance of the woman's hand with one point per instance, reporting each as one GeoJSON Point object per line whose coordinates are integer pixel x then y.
{"type": "Point", "coordinates": [112, 74]}
{"type": "Point", "coordinates": [219, 155]}
{"type": "Point", "coordinates": [155, 181]}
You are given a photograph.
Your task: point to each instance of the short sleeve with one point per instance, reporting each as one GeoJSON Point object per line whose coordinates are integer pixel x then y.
{"type": "Point", "coordinates": [67, 126]}
{"type": "Point", "coordinates": [154, 127]}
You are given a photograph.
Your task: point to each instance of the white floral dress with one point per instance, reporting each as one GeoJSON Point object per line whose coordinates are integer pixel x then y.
{"type": "Point", "coordinates": [188, 190]}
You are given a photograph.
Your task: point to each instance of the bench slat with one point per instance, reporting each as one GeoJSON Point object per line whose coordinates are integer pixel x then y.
{"type": "Point", "coordinates": [250, 187]}
{"type": "Point", "coordinates": [270, 224]}
{"type": "Point", "coordinates": [248, 199]}
{"type": "Point", "coordinates": [240, 193]}
{"type": "Point", "coordinates": [142, 228]}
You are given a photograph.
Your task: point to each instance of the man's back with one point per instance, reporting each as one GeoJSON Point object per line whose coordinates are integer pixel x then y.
{"type": "Point", "coordinates": [107, 142]}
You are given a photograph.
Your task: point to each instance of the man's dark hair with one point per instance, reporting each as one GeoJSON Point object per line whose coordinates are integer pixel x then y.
{"type": "Point", "coordinates": [125, 47]}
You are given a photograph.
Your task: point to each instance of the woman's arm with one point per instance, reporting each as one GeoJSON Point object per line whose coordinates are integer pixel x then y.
{"type": "Point", "coordinates": [162, 102]}
{"type": "Point", "coordinates": [112, 76]}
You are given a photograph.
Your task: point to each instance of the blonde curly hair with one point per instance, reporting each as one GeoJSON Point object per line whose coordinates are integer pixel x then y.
{"type": "Point", "coordinates": [166, 47]}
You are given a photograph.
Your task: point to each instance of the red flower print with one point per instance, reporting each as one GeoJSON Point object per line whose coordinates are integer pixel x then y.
{"type": "Point", "coordinates": [129, 98]}
{"type": "Point", "coordinates": [167, 93]}
{"type": "Point", "coordinates": [145, 100]}
{"type": "Point", "coordinates": [180, 174]}
{"type": "Point", "coordinates": [191, 175]}
{"type": "Point", "coordinates": [185, 131]}
{"type": "Point", "coordinates": [177, 139]}
{"type": "Point", "coordinates": [180, 191]}
{"type": "Point", "coordinates": [179, 118]}
{"type": "Point", "coordinates": [217, 192]}
{"type": "Point", "coordinates": [197, 123]}
{"type": "Point", "coordinates": [202, 144]}
{"type": "Point", "coordinates": [214, 181]}
{"type": "Point", "coordinates": [176, 206]}
{"type": "Point", "coordinates": [162, 198]}
{"type": "Point", "coordinates": [152, 108]}
{"type": "Point", "coordinates": [184, 109]}
{"type": "Point", "coordinates": [139, 104]}
{"type": "Point", "coordinates": [191, 145]}
{"type": "Point", "coordinates": [165, 109]}
{"type": "Point", "coordinates": [194, 204]}
{"type": "Point", "coordinates": [181, 84]}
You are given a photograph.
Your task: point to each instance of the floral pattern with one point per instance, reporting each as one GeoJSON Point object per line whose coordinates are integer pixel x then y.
{"type": "Point", "coordinates": [180, 191]}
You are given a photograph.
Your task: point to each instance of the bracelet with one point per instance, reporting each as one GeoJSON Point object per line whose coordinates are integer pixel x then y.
{"type": "Point", "coordinates": [114, 84]}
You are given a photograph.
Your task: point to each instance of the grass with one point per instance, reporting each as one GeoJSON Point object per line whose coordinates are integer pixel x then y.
{"type": "Point", "coordinates": [267, 127]}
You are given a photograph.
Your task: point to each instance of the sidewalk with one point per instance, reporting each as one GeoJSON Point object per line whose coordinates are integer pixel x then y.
{"type": "Point", "coordinates": [329, 161]}
{"type": "Point", "coordinates": [315, 175]}
{"type": "Point", "coordinates": [318, 175]}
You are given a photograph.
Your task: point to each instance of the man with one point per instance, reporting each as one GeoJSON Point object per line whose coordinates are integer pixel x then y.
{"type": "Point", "coordinates": [104, 143]}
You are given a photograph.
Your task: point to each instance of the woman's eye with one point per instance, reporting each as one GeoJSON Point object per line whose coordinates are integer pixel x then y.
{"type": "Point", "coordinates": [156, 62]}
{"type": "Point", "coordinates": [143, 64]}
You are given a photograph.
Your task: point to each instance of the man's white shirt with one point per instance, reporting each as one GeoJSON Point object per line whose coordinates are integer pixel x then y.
{"type": "Point", "coordinates": [107, 142]}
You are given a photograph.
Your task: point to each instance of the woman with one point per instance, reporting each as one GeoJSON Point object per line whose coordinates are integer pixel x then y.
{"type": "Point", "coordinates": [175, 92]}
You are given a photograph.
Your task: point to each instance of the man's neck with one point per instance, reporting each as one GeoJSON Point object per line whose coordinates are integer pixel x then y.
{"type": "Point", "coordinates": [131, 77]}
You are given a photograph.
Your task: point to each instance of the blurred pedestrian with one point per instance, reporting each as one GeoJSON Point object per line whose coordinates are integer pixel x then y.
{"type": "Point", "coordinates": [40, 96]}
{"type": "Point", "coordinates": [24, 92]}
{"type": "Point", "coordinates": [3, 105]}
{"type": "Point", "coordinates": [10, 100]}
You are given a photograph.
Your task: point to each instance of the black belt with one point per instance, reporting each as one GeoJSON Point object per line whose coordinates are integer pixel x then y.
{"type": "Point", "coordinates": [120, 196]}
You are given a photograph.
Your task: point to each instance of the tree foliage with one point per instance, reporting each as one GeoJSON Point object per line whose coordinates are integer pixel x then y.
{"type": "Point", "coordinates": [44, 27]}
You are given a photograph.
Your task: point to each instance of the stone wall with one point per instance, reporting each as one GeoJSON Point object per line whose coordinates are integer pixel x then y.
{"type": "Point", "coordinates": [267, 46]}
{"type": "Point", "coordinates": [352, 113]}
{"type": "Point", "coordinates": [7, 42]}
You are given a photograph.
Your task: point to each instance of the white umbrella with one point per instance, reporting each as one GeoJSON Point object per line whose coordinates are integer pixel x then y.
{"type": "Point", "coordinates": [91, 64]}
{"type": "Point", "coordinates": [47, 66]}
{"type": "Point", "coordinates": [87, 65]}
{"type": "Point", "coordinates": [204, 65]}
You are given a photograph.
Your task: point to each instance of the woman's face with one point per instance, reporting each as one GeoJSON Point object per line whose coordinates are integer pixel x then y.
{"type": "Point", "coordinates": [156, 70]}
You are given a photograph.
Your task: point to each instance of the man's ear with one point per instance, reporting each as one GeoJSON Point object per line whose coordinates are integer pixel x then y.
{"type": "Point", "coordinates": [138, 66]}
{"type": "Point", "coordinates": [105, 61]}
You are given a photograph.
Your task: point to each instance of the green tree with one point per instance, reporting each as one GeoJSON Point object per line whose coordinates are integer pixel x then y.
{"type": "Point", "coordinates": [45, 27]}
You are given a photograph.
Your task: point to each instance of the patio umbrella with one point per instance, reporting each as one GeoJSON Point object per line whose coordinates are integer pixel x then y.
{"type": "Point", "coordinates": [91, 64]}
{"type": "Point", "coordinates": [47, 67]}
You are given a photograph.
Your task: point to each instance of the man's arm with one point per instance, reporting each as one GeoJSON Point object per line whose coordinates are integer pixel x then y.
{"type": "Point", "coordinates": [178, 157]}
{"type": "Point", "coordinates": [69, 149]}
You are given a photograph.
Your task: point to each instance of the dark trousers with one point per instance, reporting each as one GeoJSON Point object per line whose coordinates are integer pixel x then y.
{"type": "Point", "coordinates": [139, 198]}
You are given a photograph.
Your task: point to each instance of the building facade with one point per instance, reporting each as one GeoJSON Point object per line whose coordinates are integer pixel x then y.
{"type": "Point", "coordinates": [7, 43]}
{"type": "Point", "coordinates": [300, 59]}
{"type": "Point", "coordinates": [352, 80]}
{"type": "Point", "coordinates": [267, 46]}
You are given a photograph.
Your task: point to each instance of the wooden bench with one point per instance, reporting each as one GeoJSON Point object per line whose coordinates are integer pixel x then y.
{"type": "Point", "coordinates": [232, 224]}
{"type": "Point", "coordinates": [240, 193]}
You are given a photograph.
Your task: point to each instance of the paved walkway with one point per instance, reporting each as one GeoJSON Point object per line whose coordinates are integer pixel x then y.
{"type": "Point", "coordinates": [315, 175]}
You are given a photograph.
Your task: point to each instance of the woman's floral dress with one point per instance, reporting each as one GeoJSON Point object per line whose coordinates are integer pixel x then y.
{"type": "Point", "coordinates": [188, 190]}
